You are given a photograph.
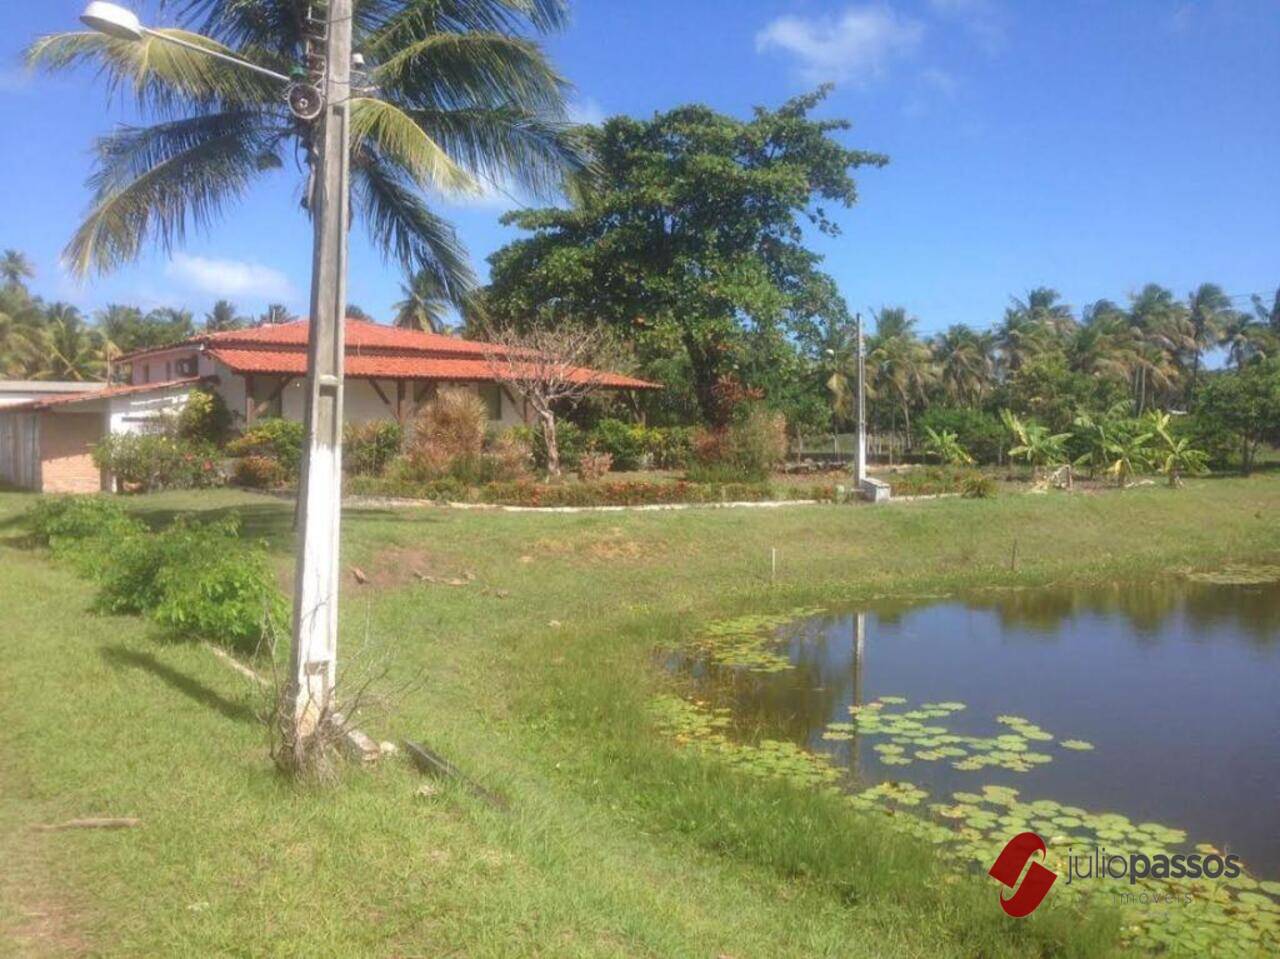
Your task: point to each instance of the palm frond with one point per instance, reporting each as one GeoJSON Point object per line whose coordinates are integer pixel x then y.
{"type": "Point", "coordinates": [401, 225]}
{"type": "Point", "coordinates": [395, 135]}
{"type": "Point", "coordinates": [416, 19]}
{"type": "Point", "coordinates": [154, 183]}
{"type": "Point", "coordinates": [160, 75]}
{"type": "Point", "coordinates": [508, 143]}
{"type": "Point", "coordinates": [447, 70]}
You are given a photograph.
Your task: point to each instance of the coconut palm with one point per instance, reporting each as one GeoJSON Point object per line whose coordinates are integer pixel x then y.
{"type": "Point", "coordinates": [1020, 337]}
{"type": "Point", "coordinates": [1245, 338]}
{"type": "Point", "coordinates": [899, 366]}
{"type": "Point", "coordinates": [64, 347]}
{"type": "Point", "coordinates": [424, 306]}
{"type": "Point", "coordinates": [1268, 314]}
{"type": "Point", "coordinates": [276, 314]}
{"type": "Point", "coordinates": [15, 268]}
{"type": "Point", "coordinates": [1208, 308]}
{"type": "Point", "coordinates": [1042, 306]}
{"type": "Point", "coordinates": [222, 317]}
{"type": "Point", "coordinates": [966, 364]}
{"type": "Point", "coordinates": [457, 96]}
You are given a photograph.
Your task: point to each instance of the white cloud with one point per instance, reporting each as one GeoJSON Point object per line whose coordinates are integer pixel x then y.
{"type": "Point", "coordinates": [587, 110]}
{"type": "Point", "coordinates": [858, 45]}
{"type": "Point", "coordinates": [981, 18]}
{"type": "Point", "coordinates": [228, 278]}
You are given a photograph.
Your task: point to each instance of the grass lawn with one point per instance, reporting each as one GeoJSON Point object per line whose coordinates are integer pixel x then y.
{"type": "Point", "coordinates": [536, 678]}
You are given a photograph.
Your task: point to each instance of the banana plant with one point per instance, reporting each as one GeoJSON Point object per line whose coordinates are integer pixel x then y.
{"type": "Point", "coordinates": [1034, 444]}
{"type": "Point", "coordinates": [1175, 456]}
{"type": "Point", "coordinates": [947, 447]}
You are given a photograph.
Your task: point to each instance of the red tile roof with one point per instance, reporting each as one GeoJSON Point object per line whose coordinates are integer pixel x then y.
{"type": "Point", "coordinates": [106, 392]}
{"type": "Point", "coordinates": [360, 334]}
{"type": "Point", "coordinates": [394, 367]}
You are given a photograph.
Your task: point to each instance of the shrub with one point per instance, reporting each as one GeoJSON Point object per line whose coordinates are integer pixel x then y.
{"type": "Point", "coordinates": [449, 429]}
{"type": "Point", "coordinates": [205, 418]}
{"type": "Point", "coordinates": [671, 446]}
{"type": "Point", "coordinates": [980, 433]}
{"type": "Point", "coordinates": [593, 465]}
{"type": "Point", "coordinates": [570, 440]}
{"type": "Point", "coordinates": [508, 456]}
{"type": "Point", "coordinates": [977, 486]}
{"type": "Point", "coordinates": [279, 439]}
{"type": "Point", "coordinates": [259, 472]}
{"type": "Point", "coordinates": [933, 480]}
{"type": "Point", "coordinates": [628, 444]}
{"type": "Point", "coordinates": [81, 529]}
{"type": "Point", "coordinates": [746, 451]}
{"type": "Point", "coordinates": [156, 461]}
{"type": "Point", "coordinates": [369, 447]}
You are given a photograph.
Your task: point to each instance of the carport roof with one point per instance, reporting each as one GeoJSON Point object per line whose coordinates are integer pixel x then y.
{"type": "Point", "coordinates": [107, 392]}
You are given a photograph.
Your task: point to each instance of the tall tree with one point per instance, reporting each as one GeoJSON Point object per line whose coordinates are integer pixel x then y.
{"type": "Point", "coordinates": [15, 268]}
{"type": "Point", "coordinates": [692, 240]}
{"type": "Point", "coordinates": [224, 316]}
{"type": "Point", "coordinates": [65, 347]}
{"type": "Point", "coordinates": [424, 306]}
{"type": "Point", "coordinates": [899, 365]}
{"type": "Point", "coordinates": [966, 364]}
{"type": "Point", "coordinates": [456, 95]}
{"type": "Point", "coordinates": [1208, 308]}
{"type": "Point", "coordinates": [275, 314]}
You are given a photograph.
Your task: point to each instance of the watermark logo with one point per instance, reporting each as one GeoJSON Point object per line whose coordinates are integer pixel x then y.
{"type": "Point", "coordinates": [1035, 884]}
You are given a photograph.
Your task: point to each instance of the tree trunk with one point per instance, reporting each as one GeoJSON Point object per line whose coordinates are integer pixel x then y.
{"type": "Point", "coordinates": [549, 437]}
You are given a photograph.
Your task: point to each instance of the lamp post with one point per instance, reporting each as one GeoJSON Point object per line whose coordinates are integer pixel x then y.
{"type": "Point", "coordinates": [313, 655]}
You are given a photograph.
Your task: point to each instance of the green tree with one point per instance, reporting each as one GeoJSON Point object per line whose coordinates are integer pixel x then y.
{"type": "Point", "coordinates": [899, 365]}
{"type": "Point", "coordinates": [1207, 310]}
{"type": "Point", "coordinates": [1244, 405]}
{"type": "Point", "coordinates": [276, 313]}
{"type": "Point", "coordinates": [965, 360]}
{"type": "Point", "coordinates": [424, 307]}
{"type": "Point", "coordinates": [691, 241]}
{"type": "Point", "coordinates": [65, 347]}
{"type": "Point", "coordinates": [457, 95]}
{"type": "Point", "coordinates": [223, 317]}
{"type": "Point", "coordinates": [15, 268]}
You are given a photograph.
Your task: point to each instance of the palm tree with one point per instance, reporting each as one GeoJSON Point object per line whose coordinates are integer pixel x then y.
{"type": "Point", "coordinates": [423, 307]}
{"type": "Point", "coordinates": [457, 96]}
{"type": "Point", "coordinates": [15, 268]}
{"type": "Point", "coordinates": [64, 347]}
{"type": "Point", "coordinates": [1020, 338]}
{"type": "Point", "coordinates": [1166, 337]}
{"type": "Point", "coordinates": [223, 317]}
{"type": "Point", "coordinates": [899, 365]}
{"type": "Point", "coordinates": [966, 364]}
{"type": "Point", "coordinates": [1245, 338]}
{"type": "Point", "coordinates": [276, 314]}
{"type": "Point", "coordinates": [1270, 315]}
{"type": "Point", "coordinates": [1042, 306]}
{"type": "Point", "coordinates": [1207, 309]}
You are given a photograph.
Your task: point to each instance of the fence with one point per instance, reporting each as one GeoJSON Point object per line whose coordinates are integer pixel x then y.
{"type": "Point", "coordinates": [883, 447]}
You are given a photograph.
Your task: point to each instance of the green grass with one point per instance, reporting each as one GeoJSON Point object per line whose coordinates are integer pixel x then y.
{"type": "Point", "coordinates": [615, 843]}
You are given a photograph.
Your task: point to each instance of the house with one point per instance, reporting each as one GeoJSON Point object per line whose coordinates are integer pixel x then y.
{"type": "Point", "coordinates": [46, 442]}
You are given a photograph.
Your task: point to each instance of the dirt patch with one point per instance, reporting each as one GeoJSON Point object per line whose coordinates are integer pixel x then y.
{"type": "Point", "coordinates": [404, 565]}
{"type": "Point", "coordinates": [45, 928]}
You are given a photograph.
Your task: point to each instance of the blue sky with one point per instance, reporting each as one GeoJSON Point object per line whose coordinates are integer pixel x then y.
{"type": "Point", "coordinates": [1090, 146]}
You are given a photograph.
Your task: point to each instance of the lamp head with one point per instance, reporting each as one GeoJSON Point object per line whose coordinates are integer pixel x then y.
{"type": "Point", "coordinates": [113, 20]}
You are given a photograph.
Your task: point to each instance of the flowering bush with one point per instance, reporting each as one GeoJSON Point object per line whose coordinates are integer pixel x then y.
{"type": "Point", "coordinates": [259, 472]}
{"type": "Point", "coordinates": [279, 439]}
{"type": "Point", "coordinates": [205, 418]}
{"type": "Point", "coordinates": [593, 465]}
{"type": "Point", "coordinates": [156, 461]}
{"type": "Point", "coordinates": [743, 452]}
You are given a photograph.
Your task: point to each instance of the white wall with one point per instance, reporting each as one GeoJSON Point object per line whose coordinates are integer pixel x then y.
{"type": "Point", "coordinates": [137, 413]}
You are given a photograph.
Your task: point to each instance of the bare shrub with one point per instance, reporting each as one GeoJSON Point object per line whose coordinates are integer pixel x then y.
{"type": "Point", "coordinates": [594, 466]}
{"type": "Point", "coordinates": [449, 428]}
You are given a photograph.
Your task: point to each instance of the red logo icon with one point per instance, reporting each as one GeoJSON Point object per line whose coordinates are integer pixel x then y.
{"type": "Point", "coordinates": [1035, 884]}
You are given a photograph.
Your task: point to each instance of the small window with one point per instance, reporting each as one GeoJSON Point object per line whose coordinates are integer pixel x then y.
{"type": "Point", "coordinates": [491, 393]}
{"type": "Point", "coordinates": [168, 370]}
{"type": "Point", "coordinates": [146, 372]}
{"type": "Point", "coordinates": [187, 366]}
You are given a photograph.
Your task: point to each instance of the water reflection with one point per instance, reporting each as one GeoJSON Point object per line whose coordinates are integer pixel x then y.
{"type": "Point", "coordinates": [1177, 683]}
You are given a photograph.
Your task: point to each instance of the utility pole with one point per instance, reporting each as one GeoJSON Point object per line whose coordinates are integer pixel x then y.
{"type": "Point", "coordinates": [313, 658]}
{"type": "Point", "coordinates": [860, 452]}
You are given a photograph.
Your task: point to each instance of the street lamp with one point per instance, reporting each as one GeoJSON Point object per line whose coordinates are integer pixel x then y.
{"type": "Point", "coordinates": [121, 24]}
{"type": "Point", "coordinates": [314, 651]}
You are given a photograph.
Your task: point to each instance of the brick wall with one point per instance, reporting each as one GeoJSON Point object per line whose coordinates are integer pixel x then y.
{"type": "Point", "coordinates": [66, 463]}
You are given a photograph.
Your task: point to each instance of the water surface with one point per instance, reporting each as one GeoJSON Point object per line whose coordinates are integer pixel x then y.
{"type": "Point", "coordinates": [1176, 684]}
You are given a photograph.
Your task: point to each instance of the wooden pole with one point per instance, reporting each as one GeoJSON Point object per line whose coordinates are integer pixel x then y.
{"type": "Point", "coordinates": [313, 657]}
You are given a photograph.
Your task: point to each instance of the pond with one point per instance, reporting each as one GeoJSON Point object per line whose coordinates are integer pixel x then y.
{"type": "Point", "coordinates": [1165, 695]}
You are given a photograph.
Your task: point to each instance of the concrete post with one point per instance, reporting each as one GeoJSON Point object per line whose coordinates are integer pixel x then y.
{"type": "Point", "coordinates": [313, 659]}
